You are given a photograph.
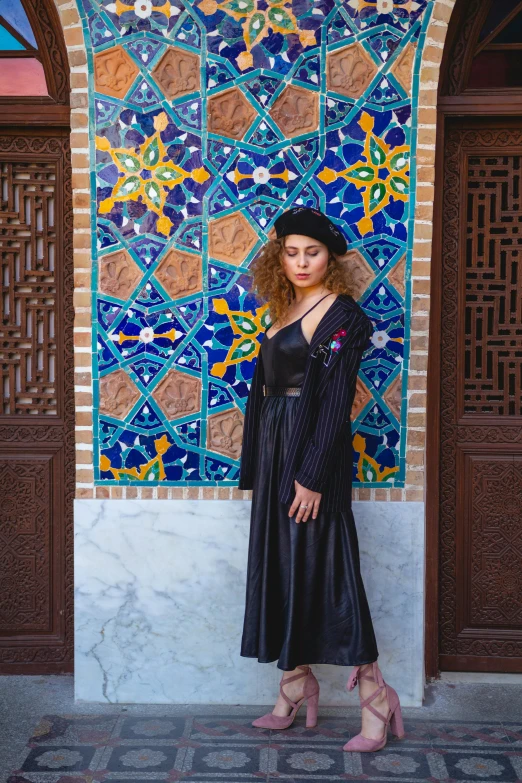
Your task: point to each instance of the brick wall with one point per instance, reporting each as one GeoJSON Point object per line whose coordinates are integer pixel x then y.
{"type": "Point", "coordinates": [421, 262]}
{"type": "Point", "coordinates": [73, 34]}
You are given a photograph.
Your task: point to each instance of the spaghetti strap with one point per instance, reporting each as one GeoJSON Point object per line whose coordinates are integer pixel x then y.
{"type": "Point", "coordinates": [310, 310]}
{"type": "Point", "coordinates": [298, 319]}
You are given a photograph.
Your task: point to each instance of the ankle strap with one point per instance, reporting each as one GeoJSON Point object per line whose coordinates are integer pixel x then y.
{"type": "Point", "coordinates": [306, 671]}
{"type": "Point", "coordinates": [377, 678]}
{"type": "Point", "coordinates": [366, 703]}
{"type": "Point", "coordinates": [357, 674]}
{"type": "Point", "coordinates": [284, 680]}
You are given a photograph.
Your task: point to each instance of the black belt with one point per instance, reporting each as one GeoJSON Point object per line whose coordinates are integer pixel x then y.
{"type": "Point", "coordinates": [281, 391]}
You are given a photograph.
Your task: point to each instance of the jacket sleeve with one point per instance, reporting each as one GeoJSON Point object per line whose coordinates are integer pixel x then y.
{"type": "Point", "coordinates": [319, 453]}
{"type": "Point", "coordinates": [251, 427]}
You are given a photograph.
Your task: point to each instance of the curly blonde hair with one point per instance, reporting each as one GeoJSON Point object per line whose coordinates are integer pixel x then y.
{"type": "Point", "coordinates": [271, 284]}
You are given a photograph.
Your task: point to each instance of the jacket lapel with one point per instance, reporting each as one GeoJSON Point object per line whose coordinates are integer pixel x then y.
{"type": "Point", "coordinates": [332, 320]}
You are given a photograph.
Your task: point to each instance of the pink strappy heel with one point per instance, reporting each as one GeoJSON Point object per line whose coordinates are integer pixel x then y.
{"type": "Point", "coordinates": [311, 696]}
{"type": "Point", "coordinates": [362, 744]}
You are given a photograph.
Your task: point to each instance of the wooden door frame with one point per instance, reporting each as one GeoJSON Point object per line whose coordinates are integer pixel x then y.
{"type": "Point", "coordinates": [486, 110]}
{"type": "Point", "coordinates": [33, 124]}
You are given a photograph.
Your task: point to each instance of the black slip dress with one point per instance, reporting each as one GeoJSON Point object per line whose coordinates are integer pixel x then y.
{"type": "Point", "coordinates": [305, 598]}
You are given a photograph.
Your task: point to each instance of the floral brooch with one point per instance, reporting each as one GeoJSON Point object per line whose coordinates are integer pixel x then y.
{"type": "Point", "coordinates": [336, 341]}
{"type": "Point", "coordinates": [327, 349]}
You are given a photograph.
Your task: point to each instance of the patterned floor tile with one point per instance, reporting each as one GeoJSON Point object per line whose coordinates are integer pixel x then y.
{"type": "Point", "coordinates": [327, 730]}
{"type": "Point", "coordinates": [399, 763]}
{"type": "Point", "coordinates": [233, 760]}
{"type": "Point", "coordinates": [514, 733]}
{"type": "Point", "coordinates": [60, 757]}
{"type": "Point", "coordinates": [341, 729]}
{"type": "Point", "coordinates": [73, 729]}
{"type": "Point", "coordinates": [455, 733]}
{"type": "Point", "coordinates": [153, 728]}
{"type": "Point", "coordinates": [222, 749]}
{"type": "Point", "coordinates": [480, 765]}
{"type": "Point", "coordinates": [305, 762]}
{"type": "Point", "coordinates": [226, 728]}
{"type": "Point", "coordinates": [149, 758]}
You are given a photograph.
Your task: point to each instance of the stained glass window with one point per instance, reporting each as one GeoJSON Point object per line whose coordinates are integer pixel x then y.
{"type": "Point", "coordinates": [21, 70]}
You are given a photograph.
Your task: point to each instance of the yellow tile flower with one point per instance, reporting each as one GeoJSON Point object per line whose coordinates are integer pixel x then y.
{"type": "Point", "coordinates": [257, 22]}
{"type": "Point", "coordinates": [164, 175]}
{"type": "Point", "coordinates": [367, 174]}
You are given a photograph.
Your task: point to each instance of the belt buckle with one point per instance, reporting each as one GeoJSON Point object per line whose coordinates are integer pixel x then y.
{"type": "Point", "coordinates": [264, 390]}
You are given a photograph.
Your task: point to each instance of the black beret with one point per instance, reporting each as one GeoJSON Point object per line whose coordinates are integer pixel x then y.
{"type": "Point", "coordinates": [311, 223]}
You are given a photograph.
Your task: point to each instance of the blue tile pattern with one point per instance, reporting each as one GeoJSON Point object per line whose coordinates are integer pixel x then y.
{"type": "Point", "coordinates": [189, 128]}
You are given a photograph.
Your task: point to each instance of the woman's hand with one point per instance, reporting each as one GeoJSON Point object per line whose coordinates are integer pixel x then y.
{"type": "Point", "coordinates": [304, 497]}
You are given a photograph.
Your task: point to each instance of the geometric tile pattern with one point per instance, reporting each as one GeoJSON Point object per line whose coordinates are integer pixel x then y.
{"type": "Point", "coordinates": [210, 118]}
{"type": "Point", "coordinates": [215, 748]}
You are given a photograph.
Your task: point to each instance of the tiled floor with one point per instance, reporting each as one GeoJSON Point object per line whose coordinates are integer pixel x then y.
{"type": "Point", "coordinates": [77, 749]}
{"type": "Point", "coordinates": [465, 731]}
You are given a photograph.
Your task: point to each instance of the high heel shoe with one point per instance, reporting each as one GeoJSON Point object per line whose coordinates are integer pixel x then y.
{"type": "Point", "coordinates": [363, 744]}
{"type": "Point", "coordinates": [311, 695]}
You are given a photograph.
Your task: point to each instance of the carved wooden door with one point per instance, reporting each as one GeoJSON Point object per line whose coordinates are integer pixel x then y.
{"type": "Point", "coordinates": [480, 611]}
{"type": "Point", "coordinates": [37, 417]}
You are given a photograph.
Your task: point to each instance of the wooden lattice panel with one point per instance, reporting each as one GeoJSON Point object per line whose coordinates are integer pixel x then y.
{"type": "Point", "coordinates": [27, 305]}
{"type": "Point", "coordinates": [37, 419]}
{"type": "Point", "coordinates": [493, 283]}
{"type": "Point", "coordinates": [480, 623]}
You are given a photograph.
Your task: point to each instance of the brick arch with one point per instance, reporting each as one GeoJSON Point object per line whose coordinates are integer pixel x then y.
{"type": "Point", "coordinates": [427, 89]}
{"type": "Point", "coordinates": [422, 249]}
{"type": "Point", "coordinates": [80, 157]}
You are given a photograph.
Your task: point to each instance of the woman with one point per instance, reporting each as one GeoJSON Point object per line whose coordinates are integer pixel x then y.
{"type": "Point", "coordinates": [305, 599]}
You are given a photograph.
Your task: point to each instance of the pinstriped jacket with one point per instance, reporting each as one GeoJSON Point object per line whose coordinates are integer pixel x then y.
{"type": "Point", "coordinates": [319, 454]}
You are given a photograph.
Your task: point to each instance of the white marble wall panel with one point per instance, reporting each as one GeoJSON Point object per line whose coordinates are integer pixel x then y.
{"type": "Point", "coordinates": [159, 599]}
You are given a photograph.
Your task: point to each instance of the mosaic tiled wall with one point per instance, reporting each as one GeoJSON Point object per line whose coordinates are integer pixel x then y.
{"type": "Point", "coordinates": [207, 121]}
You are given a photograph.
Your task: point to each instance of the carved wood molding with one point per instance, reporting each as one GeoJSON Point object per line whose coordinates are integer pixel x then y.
{"type": "Point", "coordinates": [47, 28]}
{"type": "Point", "coordinates": [459, 52]}
{"type": "Point", "coordinates": [57, 437]}
{"type": "Point", "coordinates": [25, 543]}
{"type": "Point", "coordinates": [496, 546]}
